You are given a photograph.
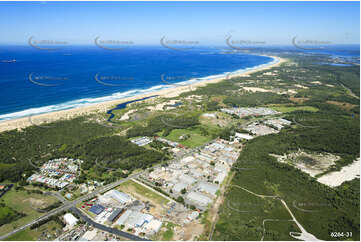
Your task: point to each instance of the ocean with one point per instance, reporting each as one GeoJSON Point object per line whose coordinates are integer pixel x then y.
{"type": "Point", "coordinates": [42, 81]}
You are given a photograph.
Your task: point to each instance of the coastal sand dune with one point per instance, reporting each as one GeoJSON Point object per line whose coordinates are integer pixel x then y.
{"type": "Point", "coordinates": [103, 107]}
{"type": "Point", "coordinates": [347, 173]}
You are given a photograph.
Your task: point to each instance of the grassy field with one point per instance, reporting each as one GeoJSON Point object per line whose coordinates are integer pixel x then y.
{"type": "Point", "coordinates": [288, 109]}
{"type": "Point", "coordinates": [27, 203]}
{"type": "Point", "coordinates": [195, 139]}
{"type": "Point", "coordinates": [134, 188]}
{"type": "Point", "coordinates": [168, 234]}
{"type": "Point", "coordinates": [48, 229]}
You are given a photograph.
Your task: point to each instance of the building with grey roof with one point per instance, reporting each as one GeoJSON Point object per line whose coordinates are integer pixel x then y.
{"type": "Point", "coordinates": [178, 187]}
{"type": "Point", "coordinates": [187, 179]}
{"type": "Point", "coordinates": [199, 199]}
{"type": "Point", "coordinates": [114, 214]}
{"type": "Point", "coordinates": [208, 188]}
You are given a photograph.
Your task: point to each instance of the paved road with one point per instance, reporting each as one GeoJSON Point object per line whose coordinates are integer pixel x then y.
{"type": "Point", "coordinates": [105, 228]}
{"type": "Point", "coordinates": [68, 204]}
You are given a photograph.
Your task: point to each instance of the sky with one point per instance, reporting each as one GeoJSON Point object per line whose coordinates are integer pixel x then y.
{"type": "Point", "coordinates": [208, 23]}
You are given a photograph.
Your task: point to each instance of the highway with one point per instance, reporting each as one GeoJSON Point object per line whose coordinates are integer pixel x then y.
{"type": "Point", "coordinates": [69, 204]}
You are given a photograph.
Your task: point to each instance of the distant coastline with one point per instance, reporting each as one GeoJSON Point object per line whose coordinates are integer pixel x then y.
{"type": "Point", "coordinates": [104, 106]}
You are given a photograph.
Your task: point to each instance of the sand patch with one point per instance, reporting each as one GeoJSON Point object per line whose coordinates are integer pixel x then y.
{"type": "Point", "coordinates": [256, 89]}
{"type": "Point", "coordinates": [291, 91]}
{"type": "Point", "coordinates": [36, 203]}
{"type": "Point", "coordinates": [192, 230]}
{"type": "Point", "coordinates": [300, 86]}
{"type": "Point", "coordinates": [347, 173]}
{"type": "Point", "coordinates": [311, 163]}
{"type": "Point", "coordinates": [126, 115]}
{"type": "Point", "coordinates": [343, 105]}
{"type": "Point", "coordinates": [298, 99]}
{"type": "Point", "coordinates": [160, 106]}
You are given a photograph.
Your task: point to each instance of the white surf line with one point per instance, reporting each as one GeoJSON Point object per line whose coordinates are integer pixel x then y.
{"type": "Point", "coordinates": [304, 235]}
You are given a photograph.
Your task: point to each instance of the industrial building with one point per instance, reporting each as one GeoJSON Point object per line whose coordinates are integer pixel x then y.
{"type": "Point", "coordinates": [142, 141]}
{"type": "Point", "coordinates": [115, 197]}
{"type": "Point", "coordinates": [134, 219]}
{"type": "Point", "coordinates": [70, 220]}
{"type": "Point", "coordinates": [179, 187]}
{"type": "Point", "coordinates": [96, 209]}
{"type": "Point", "coordinates": [114, 215]}
{"type": "Point", "coordinates": [208, 188]}
{"type": "Point", "coordinates": [199, 199]}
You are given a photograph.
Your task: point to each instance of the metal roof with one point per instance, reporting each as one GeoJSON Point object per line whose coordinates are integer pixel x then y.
{"type": "Point", "coordinates": [96, 209]}
{"type": "Point", "coordinates": [114, 214]}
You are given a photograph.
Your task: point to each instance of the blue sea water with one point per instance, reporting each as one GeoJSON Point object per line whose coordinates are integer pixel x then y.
{"type": "Point", "coordinates": [42, 81]}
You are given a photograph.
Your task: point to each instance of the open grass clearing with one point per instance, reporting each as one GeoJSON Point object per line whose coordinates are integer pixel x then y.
{"type": "Point", "coordinates": [21, 201]}
{"type": "Point", "coordinates": [288, 109]}
{"type": "Point", "coordinates": [48, 230]}
{"type": "Point", "coordinates": [195, 138]}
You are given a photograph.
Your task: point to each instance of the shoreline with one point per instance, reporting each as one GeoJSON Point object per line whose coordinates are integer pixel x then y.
{"type": "Point", "coordinates": [103, 107]}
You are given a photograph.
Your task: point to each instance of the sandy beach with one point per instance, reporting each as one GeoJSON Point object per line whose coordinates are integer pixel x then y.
{"type": "Point", "coordinates": [105, 106]}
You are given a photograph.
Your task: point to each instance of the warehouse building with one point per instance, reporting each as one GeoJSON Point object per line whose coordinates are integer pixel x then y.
{"type": "Point", "coordinates": [134, 219]}
{"type": "Point", "coordinates": [179, 187]}
{"type": "Point", "coordinates": [199, 199]}
{"type": "Point", "coordinates": [207, 188]}
{"type": "Point", "coordinates": [70, 220]}
{"type": "Point", "coordinates": [115, 214]}
{"type": "Point", "coordinates": [96, 209]}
